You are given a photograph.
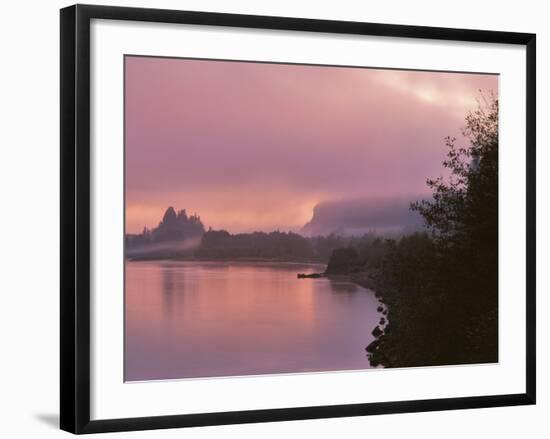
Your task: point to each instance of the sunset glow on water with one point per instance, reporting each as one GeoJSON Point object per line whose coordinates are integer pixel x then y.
{"type": "Point", "coordinates": [201, 319]}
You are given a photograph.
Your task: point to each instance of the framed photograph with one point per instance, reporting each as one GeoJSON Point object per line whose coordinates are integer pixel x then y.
{"type": "Point", "coordinates": [268, 218]}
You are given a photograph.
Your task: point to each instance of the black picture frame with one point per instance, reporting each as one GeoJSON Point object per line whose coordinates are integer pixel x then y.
{"type": "Point", "coordinates": [75, 217]}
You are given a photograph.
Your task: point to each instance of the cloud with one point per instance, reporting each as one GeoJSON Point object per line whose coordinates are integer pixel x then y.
{"type": "Point", "coordinates": [255, 143]}
{"type": "Point", "coordinates": [358, 216]}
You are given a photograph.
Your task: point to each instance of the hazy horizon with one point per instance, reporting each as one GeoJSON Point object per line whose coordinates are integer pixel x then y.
{"type": "Point", "coordinates": [256, 146]}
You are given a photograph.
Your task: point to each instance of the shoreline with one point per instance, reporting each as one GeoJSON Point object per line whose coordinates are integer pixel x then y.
{"type": "Point", "coordinates": [359, 278]}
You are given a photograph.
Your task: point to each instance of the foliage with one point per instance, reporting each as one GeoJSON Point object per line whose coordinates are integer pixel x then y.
{"type": "Point", "coordinates": [220, 244]}
{"type": "Point", "coordinates": [441, 289]}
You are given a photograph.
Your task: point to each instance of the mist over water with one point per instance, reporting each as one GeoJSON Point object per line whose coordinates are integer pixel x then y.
{"type": "Point", "coordinates": [187, 319]}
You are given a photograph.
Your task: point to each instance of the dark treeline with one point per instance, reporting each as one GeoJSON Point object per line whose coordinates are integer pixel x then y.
{"type": "Point", "coordinates": [361, 256]}
{"type": "Point", "coordinates": [441, 287]}
{"type": "Point", "coordinates": [285, 246]}
{"type": "Point", "coordinates": [220, 244]}
{"type": "Point", "coordinates": [181, 236]}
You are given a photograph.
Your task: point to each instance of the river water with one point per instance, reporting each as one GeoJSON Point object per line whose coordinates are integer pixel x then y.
{"type": "Point", "coordinates": [187, 319]}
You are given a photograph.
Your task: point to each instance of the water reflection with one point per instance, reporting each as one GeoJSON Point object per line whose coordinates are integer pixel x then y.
{"type": "Point", "coordinates": [190, 319]}
{"type": "Point", "coordinates": [168, 285]}
{"type": "Point", "coordinates": [340, 286]}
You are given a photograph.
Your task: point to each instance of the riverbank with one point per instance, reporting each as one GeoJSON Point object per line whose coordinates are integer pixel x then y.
{"type": "Point", "coordinates": [365, 279]}
{"type": "Point", "coordinates": [362, 278]}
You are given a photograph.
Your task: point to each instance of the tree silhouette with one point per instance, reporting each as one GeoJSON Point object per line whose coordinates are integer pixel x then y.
{"type": "Point", "coordinates": [442, 289]}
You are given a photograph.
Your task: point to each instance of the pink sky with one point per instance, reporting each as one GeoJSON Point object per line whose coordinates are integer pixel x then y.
{"type": "Point", "coordinates": [252, 146]}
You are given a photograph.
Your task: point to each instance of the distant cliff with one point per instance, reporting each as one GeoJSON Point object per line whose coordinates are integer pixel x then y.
{"type": "Point", "coordinates": [390, 216]}
{"type": "Point", "coordinates": [175, 235]}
